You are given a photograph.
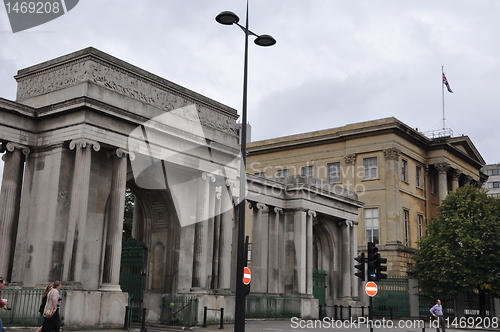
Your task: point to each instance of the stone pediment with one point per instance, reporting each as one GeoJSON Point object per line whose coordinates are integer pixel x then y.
{"type": "Point", "coordinates": [460, 145]}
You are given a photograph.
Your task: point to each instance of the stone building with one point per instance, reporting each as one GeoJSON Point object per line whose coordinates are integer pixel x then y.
{"type": "Point", "coordinates": [492, 185]}
{"type": "Point", "coordinates": [86, 126]}
{"type": "Point", "coordinates": [400, 175]}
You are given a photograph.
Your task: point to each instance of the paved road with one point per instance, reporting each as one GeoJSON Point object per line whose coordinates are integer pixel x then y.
{"type": "Point", "coordinates": [296, 325]}
{"type": "Point", "coordinates": [325, 325]}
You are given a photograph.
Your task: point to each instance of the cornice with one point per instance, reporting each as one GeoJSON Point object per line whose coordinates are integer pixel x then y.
{"type": "Point", "coordinates": [391, 125]}
{"type": "Point", "coordinates": [17, 108]}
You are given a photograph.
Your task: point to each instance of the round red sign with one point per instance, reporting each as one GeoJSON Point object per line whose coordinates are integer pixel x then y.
{"type": "Point", "coordinates": [247, 276]}
{"type": "Point", "coordinates": [371, 288]}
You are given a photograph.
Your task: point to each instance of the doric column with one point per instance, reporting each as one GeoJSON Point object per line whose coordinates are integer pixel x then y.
{"type": "Point", "coordinates": [346, 258]}
{"type": "Point", "coordinates": [442, 179]}
{"type": "Point", "coordinates": [75, 235]}
{"type": "Point", "coordinates": [455, 180]}
{"type": "Point", "coordinates": [354, 251]}
{"type": "Point", "coordinates": [300, 235]}
{"type": "Point", "coordinates": [392, 206]}
{"type": "Point", "coordinates": [309, 251]}
{"type": "Point", "coordinates": [10, 198]}
{"type": "Point", "coordinates": [201, 233]}
{"type": "Point", "coordinates": [259, 247]}
{"type": "Point", "coordinates": [113, 248]}
{"type": "Point", "coordinates": [274, 261]}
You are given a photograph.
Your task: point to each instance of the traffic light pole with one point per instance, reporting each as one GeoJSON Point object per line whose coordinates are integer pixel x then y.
{"type": "Point", "coordinates": [370, 313]}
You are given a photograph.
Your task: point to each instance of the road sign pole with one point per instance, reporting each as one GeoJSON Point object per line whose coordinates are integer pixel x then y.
{"type": "Point", "coordinates": [370, 314]}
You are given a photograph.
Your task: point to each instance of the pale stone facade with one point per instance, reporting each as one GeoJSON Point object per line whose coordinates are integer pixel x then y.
{"type": "Point", "coordinates": [86, 126]}
{"type": "Point", "coordinates": [492, 185]}
{"type": "Point", "coordinates": [399, 174]}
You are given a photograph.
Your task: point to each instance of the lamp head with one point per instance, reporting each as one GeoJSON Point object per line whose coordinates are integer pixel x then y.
{"type": "Point", "coordinates": [265, 40]}
{"type": "Point", "coordinates": [227, 18]}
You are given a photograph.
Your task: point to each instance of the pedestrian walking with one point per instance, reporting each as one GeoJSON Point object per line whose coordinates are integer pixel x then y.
{"type": "Point", "coordinates": [51, 316]}
{"type": "Point", "coordinates": [437, 311]}
{"type": "Point", "coordinates": [3, 302]}
{"type": "Point", "coordinates": [44, 303]}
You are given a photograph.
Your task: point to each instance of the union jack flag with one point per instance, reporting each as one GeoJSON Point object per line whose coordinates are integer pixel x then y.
{"type": "Point", "coordinates": [445, 82]}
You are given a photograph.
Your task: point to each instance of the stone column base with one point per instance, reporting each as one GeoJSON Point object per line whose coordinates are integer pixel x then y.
{"type": "Point", "coordinates": [110, 288]}
{"type": "Point", "coordinates": [83, 310]}
{"type": "Point", "coordinates": [309, 308]}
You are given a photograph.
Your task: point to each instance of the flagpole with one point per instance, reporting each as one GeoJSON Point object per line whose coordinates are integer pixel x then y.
{"type": "Point", "coordinates": [442, 93]}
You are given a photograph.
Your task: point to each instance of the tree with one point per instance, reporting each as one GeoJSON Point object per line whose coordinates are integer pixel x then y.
{"type": "Point", "coordinates": [128, 214]}
{"type": "Point", "coordinates": [461, 251]}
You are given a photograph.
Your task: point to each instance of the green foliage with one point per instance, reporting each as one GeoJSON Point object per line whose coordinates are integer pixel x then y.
{"type": "Point", "coordinates": [128, 214]}
{"type": "Point", "coordinates": [461, 252]}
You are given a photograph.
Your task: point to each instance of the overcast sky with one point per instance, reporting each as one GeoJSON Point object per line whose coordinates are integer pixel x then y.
{"type": "Point", "coordinates": [335, 62]}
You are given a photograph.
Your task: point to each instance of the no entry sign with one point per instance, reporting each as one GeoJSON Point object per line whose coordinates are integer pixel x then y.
{"type": "Point", "coordinates": [371, 288]}
{"type": "Point", "coordinates": [247, 276]}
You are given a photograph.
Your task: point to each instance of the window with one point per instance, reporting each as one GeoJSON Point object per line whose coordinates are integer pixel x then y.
{"type": "Point", "coordinates": [420, 226]}
{"type": "Point", "coordinates": [372, 225]}
{"type": "Point", "coordinates": [261, 174]}
{"type": "Point", "coordinates": [493, 171]}
{"type": "Point", "coordinates": [334, 173]}
{"type": "Point", "coordinates": [404, 170]}
{"type": "Point", "coordinates": [308, 171]}
{"type": "Point", "coordinates": [282, 173]}
{"type": "Point", "coordinates": [432, 183]}
{"type": "Point", "coordinates": [406, 214]}
{"type": "Point", "coordinates": [495, 184]}
{"type": "Point", "coordinates": [371, 168]}
{"type": "Point", "coordinates": [419, 176]}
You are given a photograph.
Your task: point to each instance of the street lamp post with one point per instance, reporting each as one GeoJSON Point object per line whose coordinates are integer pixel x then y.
{"type": "Point", "coordinates": [230, 18]}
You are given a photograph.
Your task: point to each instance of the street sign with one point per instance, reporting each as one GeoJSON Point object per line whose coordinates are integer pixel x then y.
{"type": "Point", "coordinates": [371, 288]}
{"type": "Point", "coordinates": [247, 276]}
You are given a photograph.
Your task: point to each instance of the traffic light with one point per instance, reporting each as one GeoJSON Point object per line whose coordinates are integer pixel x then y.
{"type": "Point", "coordinates": [372, 264]}
{"type": "Point", "coordinates": [361, 266]}
{"type": "Point", "coordinates": [379, 268]}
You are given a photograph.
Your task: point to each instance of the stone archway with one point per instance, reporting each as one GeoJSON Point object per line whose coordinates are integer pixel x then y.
{"type": "Point", "coordinates": [155, 224]}
{"type": "Point", "coordinates": [324, 259]}
{"type": "Point", "coordinates": [82, 125]}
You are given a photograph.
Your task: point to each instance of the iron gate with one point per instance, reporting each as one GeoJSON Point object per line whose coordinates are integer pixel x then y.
{"type": "Point", "coordinates": [132, 275]}
{"type": "Point", "coordinates": [392, 294]}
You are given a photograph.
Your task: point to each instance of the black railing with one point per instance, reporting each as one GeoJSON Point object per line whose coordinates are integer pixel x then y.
{"type": "Point", "coordinates": [339, 311]}
{"type": "Point", "coordinates": [205, 311]}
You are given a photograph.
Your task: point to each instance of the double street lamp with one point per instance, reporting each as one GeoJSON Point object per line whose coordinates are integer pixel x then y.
{"type": "Point", "coordinates": [230, 18]}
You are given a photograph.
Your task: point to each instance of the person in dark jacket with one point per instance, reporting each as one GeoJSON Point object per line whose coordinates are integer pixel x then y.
{"type": "Point", "coordinates": [53, 323]}
{"type": "Point", "coordinates": [44, 302]}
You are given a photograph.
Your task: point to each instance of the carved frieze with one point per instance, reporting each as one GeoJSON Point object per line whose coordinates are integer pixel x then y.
{"type": "Point", "coordinates": [51, 80]}
{"type": "Point", "coordinates": [125, 82]}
